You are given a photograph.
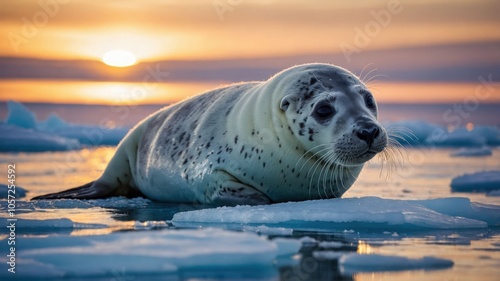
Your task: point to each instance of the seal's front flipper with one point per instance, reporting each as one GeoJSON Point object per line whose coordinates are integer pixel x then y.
{"type": "Point", "coordinates": [236, 193]}
{"type": "Point", "coordinates": [91, 190]}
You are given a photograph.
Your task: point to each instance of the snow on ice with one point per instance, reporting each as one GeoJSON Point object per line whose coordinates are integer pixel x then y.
{"type": "Point", "coordinates": [352, 213]}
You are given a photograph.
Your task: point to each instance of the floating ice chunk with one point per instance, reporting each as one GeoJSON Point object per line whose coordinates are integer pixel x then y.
{"type": "Point", "coordinates": [353, 263]}
{"type": "Point", "coordinates": [147, 252]}
{"type": "Point", "coordinates": [463, 207]}
{"type": "Point", "coordinates": [331, 244]}
{"type": "Point", "coordinates": [21, 132]}
{"type": "Point", "coordinates": [493, 193]}
{"type": "Point", "coordinates": [345, 213]}
{"type": "Point", "coordinates": [19, 192]}
{"type": "Point", "coordinates": [477, 182]}
{"type": "Point", "coordinates": [150, 225]}
{"type": "Point", "coordinates": [329, 255]}
{"type": "Point", "coordinates": [458, 137]}
{"type": "Point", "coordinates": [53, 122]}
{"type": "Point", "coordinates": [307, 240]}
{"type": "Point", "coordinates": [416, 132]}
{"type": "Point", "coordinates": [20, 116]}
{"type": "Point", "coordinates": [287, 246]}
{"type": "Point", "coordinates": [473, 152]}
{"type": "Point", "coordinates": [412, 132]}
{"type": "Point", "coordinates": [52, 225]}
{"type": "Point", "coordinates": [39, 224]}
{"type": "Point", "coordinates": [16, 139]}
{"type": "Point", "coordinates": [93, 135]}
{"type": "Point", "coordinates": [266, 230]}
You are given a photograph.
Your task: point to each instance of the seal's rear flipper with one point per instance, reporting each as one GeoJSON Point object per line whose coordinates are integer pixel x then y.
{"type": "Point", "coordinates": [91, 190]}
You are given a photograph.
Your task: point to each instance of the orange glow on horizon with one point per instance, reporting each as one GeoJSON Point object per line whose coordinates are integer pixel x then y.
{"type": "Point", "coordinates": [86, 92]}
{"type": "Point", "coordinates": [110, 93]}
{"type": "Point", "coordinates": [248, 36]}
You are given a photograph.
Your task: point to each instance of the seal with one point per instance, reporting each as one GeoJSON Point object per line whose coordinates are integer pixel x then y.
{"type": "Point", "coordinates": [303, 134]}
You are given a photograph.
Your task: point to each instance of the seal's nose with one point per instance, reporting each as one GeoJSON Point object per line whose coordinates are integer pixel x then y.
{"type": "Point", "coordinates": [368, 133]}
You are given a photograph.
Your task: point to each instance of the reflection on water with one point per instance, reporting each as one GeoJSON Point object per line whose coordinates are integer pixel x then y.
{"type": "Point", "coordinates": [475, 253]}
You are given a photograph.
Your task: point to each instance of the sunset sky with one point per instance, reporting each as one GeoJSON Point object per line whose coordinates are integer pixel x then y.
{"type": "Point", "coordinates": [423, 51]}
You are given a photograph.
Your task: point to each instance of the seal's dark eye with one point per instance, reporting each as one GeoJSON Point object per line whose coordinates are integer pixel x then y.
{"type": "Point", "coordinates": [369, 101]}
{"type": "Point", "coordinates": [324, 111]}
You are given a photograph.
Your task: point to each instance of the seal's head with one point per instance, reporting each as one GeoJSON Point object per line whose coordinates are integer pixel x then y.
{"type": "Point", "coordinates": [332, 114]}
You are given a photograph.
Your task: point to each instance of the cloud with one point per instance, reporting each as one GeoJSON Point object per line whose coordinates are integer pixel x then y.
{"type": "Point", "coordinates": [194, 29]}
{"type": "Point", "coordinates": [445, 62]}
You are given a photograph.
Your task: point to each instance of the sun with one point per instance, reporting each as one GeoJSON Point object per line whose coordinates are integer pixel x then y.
{"type": "Point", "coordinates": [119, 58]}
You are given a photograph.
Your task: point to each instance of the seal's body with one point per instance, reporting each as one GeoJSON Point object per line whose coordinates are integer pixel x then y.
{"type": "Point", "coordinates": [303, 134]}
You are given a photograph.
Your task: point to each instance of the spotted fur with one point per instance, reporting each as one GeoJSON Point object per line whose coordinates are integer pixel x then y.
{"type": "Point", "coordinates": [256, 143]}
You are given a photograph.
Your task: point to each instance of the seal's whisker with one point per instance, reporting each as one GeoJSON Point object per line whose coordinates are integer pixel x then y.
{"type": "Point", "coordinates": [334, 175]}
{"type": "Point", "coordinates": [401, 133]}
{"type": "Point", "coordinates": [392, 158]}
{"type": "Point", "coordinates": [367, 74]}
{"type": "Point", "coordinates": [315, 166]}
{"type": "Point", "coordinates": [318, 162]}
{"type": "Point", "coordinates": [322, 173]}
{"type": "Point", "coordinates": [374, 77]}
{"type": "Point", "coordinates": [363, 70]}
{"type": "Point", "coordinates": [328, 174]}
{"type": "Point", "coordinates": [312, 154]}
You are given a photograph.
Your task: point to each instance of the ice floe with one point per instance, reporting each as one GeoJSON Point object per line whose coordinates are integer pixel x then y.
{"type": "Point", "coordinates": [20, 116]}
{"type": "Point", "coordinates": [19, 192]}
{"type": "Point", "coordinates": [473, 152]}
{"type": "Point", "coordinates": [145, 252]}
{"type": "Point", "coordinates": [485, 181]}
{"type": "Point", "coordinates": [17, 139]}
{"type": "Point", "coordinates": [417, 132]}
{"type": "Point", "coordinates": [353, 263]}
{"type": "Point", "coordinates": [22, 132]}
{"type": "Point", "coordinates": [352, 213]}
